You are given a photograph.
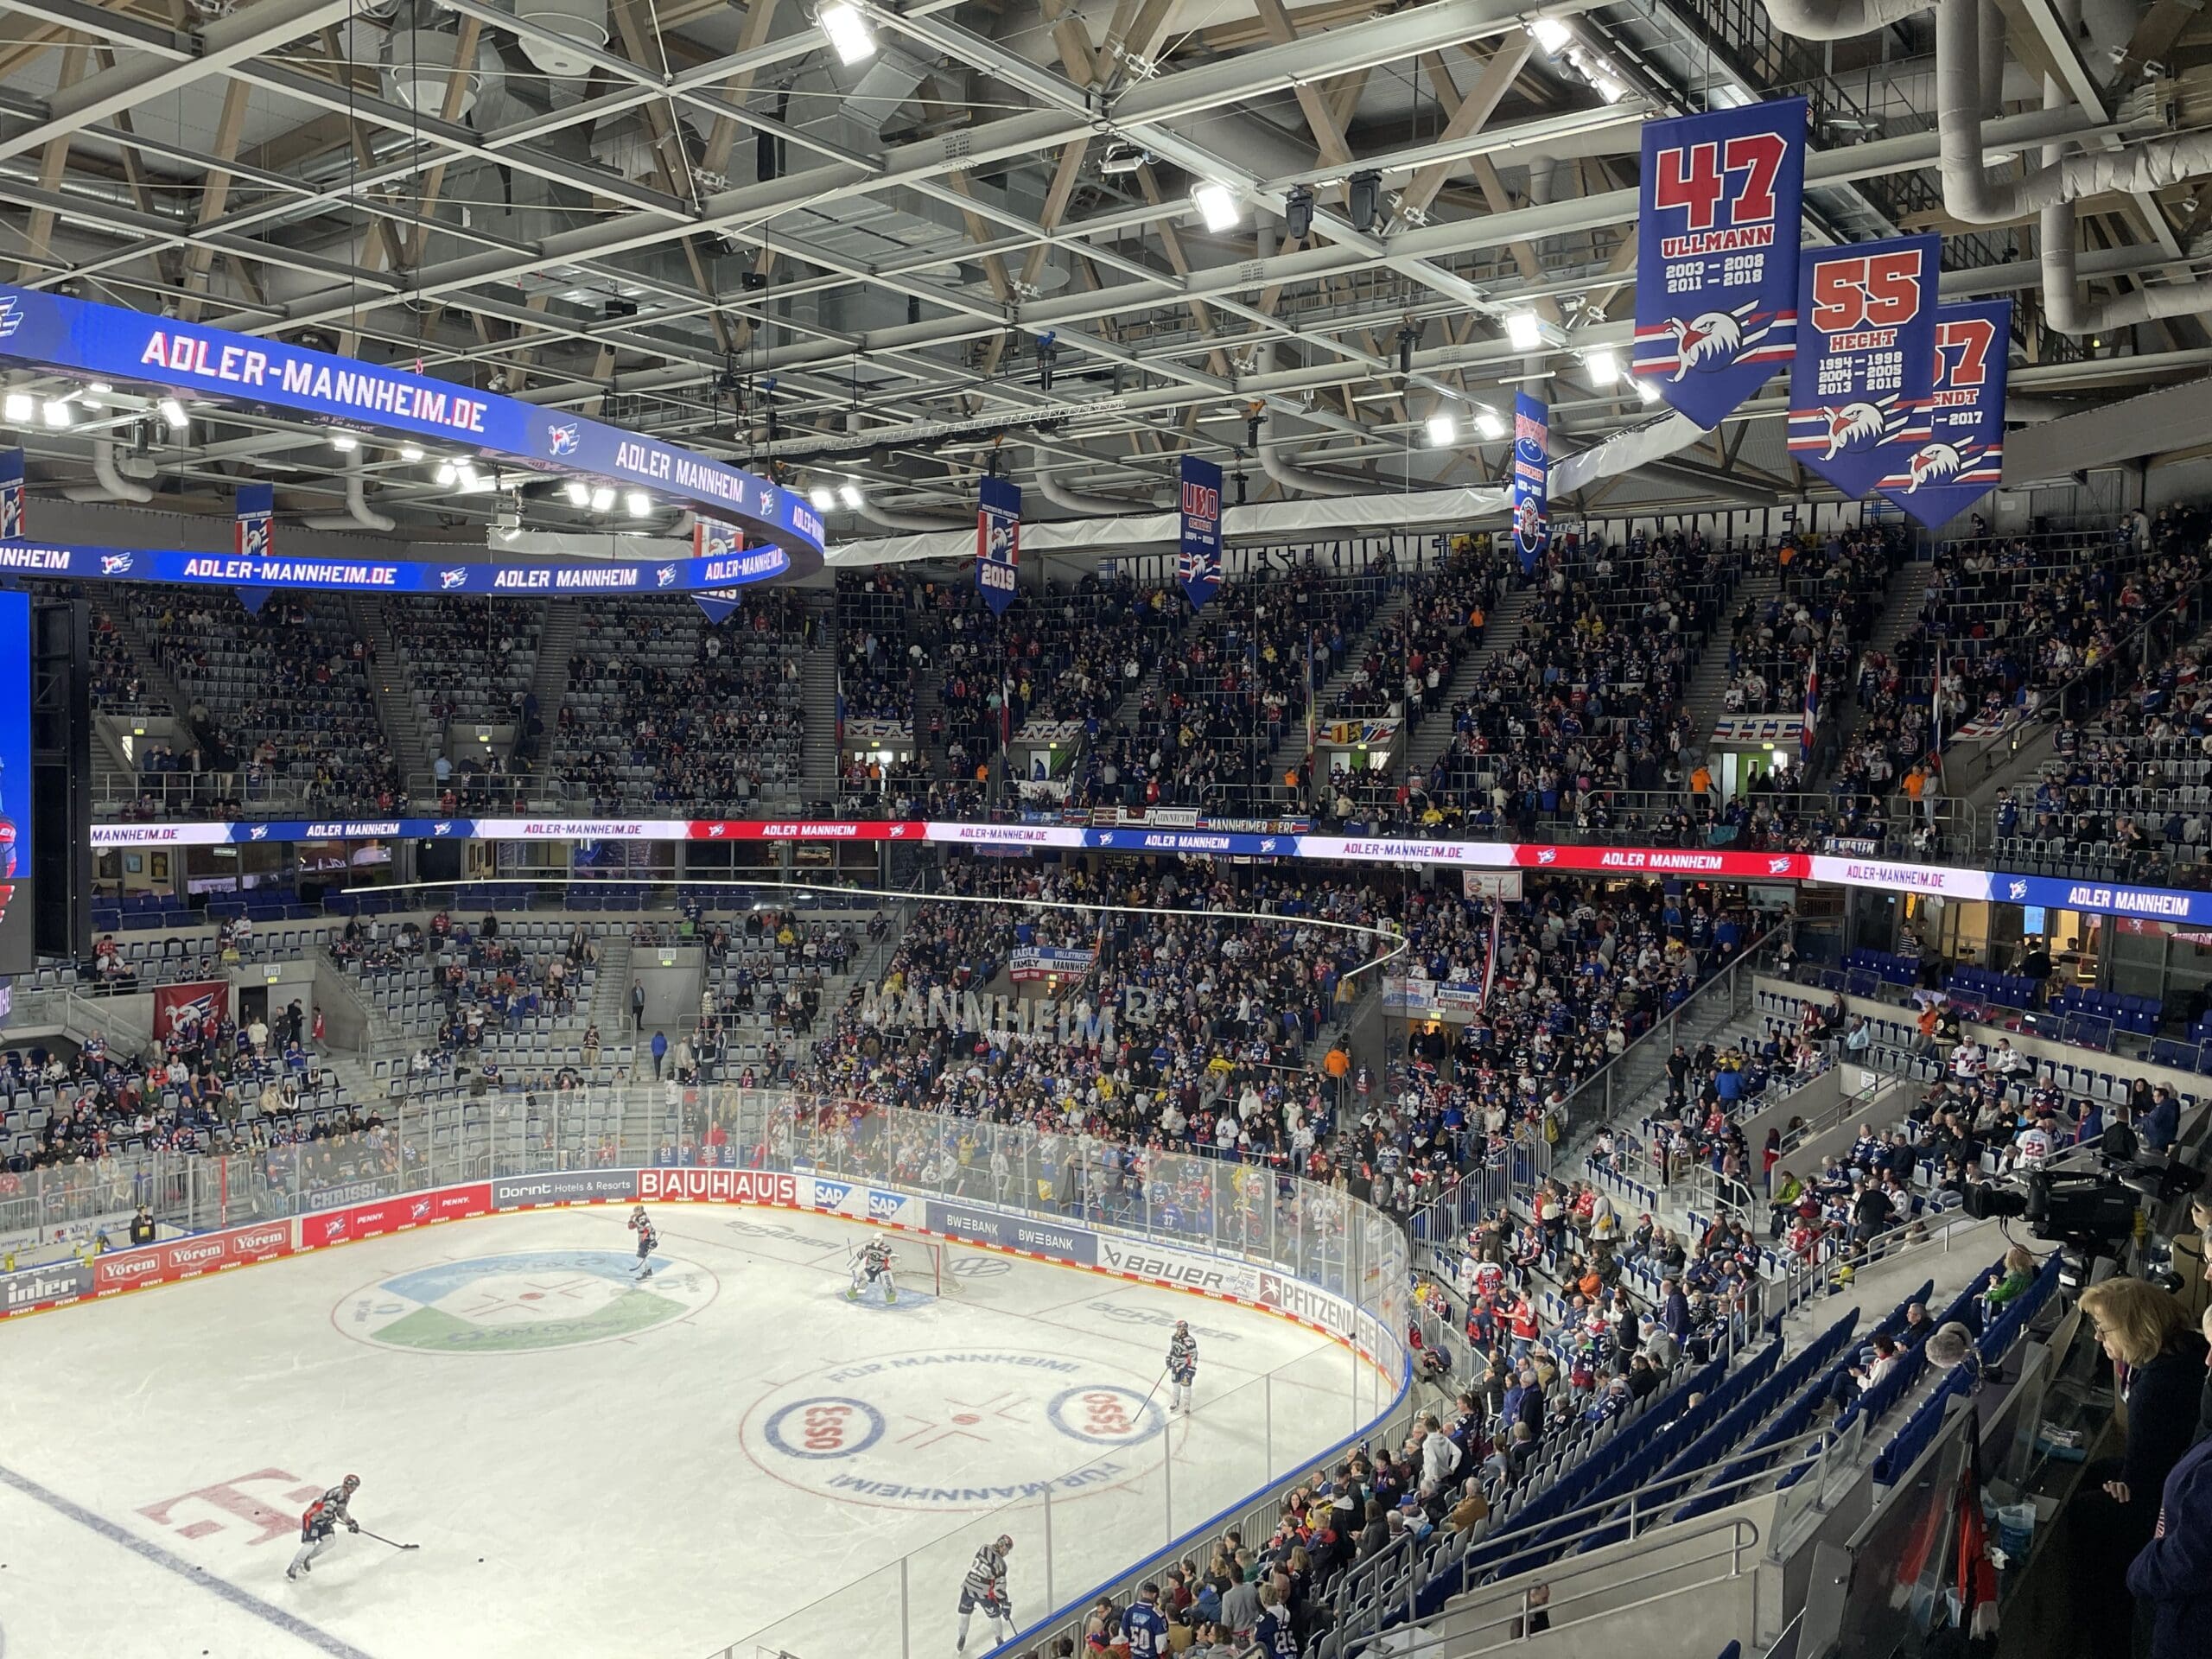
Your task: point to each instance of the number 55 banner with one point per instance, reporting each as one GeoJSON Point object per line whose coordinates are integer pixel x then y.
{"type": "Point", "coordinates": [1716, 256]}
{"type": "Point", "coordinates": [1866, 370]}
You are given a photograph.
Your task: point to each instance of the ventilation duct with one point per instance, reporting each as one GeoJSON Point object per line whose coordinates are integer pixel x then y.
{"type": "Point", "coordinates": [418, 65]}
{"type": "Point", "coordinates": [1068, 500]}
{"type": "Point", "coordinates": [570, 30]}
{"type": "Point", "coordinates": [1838, 20]}
{"type": "Point", "coordinates": [110, 484]}
{"type": "Point", "coordinates": [359, 514]}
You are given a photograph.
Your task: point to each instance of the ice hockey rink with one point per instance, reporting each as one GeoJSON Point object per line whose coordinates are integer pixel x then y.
{"type": "Point", "coordinates": [731, 1458]}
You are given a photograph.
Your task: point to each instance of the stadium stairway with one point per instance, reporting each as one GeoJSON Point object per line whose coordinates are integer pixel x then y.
{"type": "Point", "coordinates": [1709, 683]}
{"type": "Point", "coordinates": [159, 689]}
{"type": "Point", "coordinates": [610, 996]}
{"type": "Point", "coordinates": [1901, 602]}
{"type": "Point", "coordinates": [819, 682]}
{"type": "Point", "coordinates": [392, 689]}
{"type": "Point", "coordinates": [1502, 628]}
{"type": "Point", "coordinates": [556, 641]}
{"type": "Point", "coordinates": [1356, 650]}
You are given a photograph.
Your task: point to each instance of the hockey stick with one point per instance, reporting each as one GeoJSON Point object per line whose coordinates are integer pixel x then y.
{"type": "Point", "coordinates": [1153, 1389]}
{"type": "Point", "coordinates": [381, 1539]}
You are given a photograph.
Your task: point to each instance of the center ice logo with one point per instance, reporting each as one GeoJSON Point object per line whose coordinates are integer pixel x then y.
{"type": "Point", "coordinates": [523, 1303]}
{"type": "Point", "coordinates": [959, 1430]}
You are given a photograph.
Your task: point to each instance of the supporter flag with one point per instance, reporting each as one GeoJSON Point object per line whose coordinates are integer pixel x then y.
{"type": "Point", "coordinates": [1197, 565]}
{"type": "Point", "coordinates": [11, 494]}
{"type": "Point", "coordinates": [998, 541]}
{"type": "Point", "coordinates": [1812, 707]}
{"type": "Point", "coordinates": [180, 1008]}
{"type": "Point", "coordinates": [1976, 1587]}
{"type": "Point", "coordinates": [1531, 486]}
{"type": "Point", "coordinates": [254, 536]}
{"type": "Point", "coordinates": [1865, 373]}
{"type": "Point", "coordinates": [713, 539]}
{"type": "Point", "coordinates": [1716, 256]}
{"type": "Point", "coordinates": [1964, 457]}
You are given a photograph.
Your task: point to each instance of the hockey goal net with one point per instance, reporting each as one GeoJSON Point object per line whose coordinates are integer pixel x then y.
{"type": "Point", "coordinates": [921, 1263]}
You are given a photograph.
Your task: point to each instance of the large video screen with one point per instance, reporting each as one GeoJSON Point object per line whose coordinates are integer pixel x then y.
{"type": "Point", "coordinates": [17, 954]}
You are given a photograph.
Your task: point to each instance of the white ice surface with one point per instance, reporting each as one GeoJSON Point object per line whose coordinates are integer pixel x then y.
{"type": "Point", "coordinates": [628, 1495]}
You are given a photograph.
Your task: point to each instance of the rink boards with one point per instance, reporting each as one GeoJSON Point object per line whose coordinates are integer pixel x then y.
{"type": "Point", "coordinates": [1106, 1250]}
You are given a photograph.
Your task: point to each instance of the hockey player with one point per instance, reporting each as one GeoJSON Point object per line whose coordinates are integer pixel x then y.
{"type": "Point", "coordinates": [873, 1263]}
{"type": "Point", "coordinates": [324, 1516]}
{"type": "Point", "coordinates": [1182, 1363]}
{"type": "Point", "coordinates": [1143, 1627]}
{"type": "Point", "coordinates": [648, 1241]}
{"type": "Point", "coordinates": [985, 1588]}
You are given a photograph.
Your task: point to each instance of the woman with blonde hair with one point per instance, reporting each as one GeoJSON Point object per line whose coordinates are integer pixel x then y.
{"type": "Point", "coordinates": [2157, 1358]}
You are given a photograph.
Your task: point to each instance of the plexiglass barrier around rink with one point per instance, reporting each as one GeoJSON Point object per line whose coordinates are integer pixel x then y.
{"type": "Point", "coordinates": [1098, 1527]}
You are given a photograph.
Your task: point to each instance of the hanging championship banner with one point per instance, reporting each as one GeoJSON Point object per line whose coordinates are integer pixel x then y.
{"type": "Point", "coordinates": [1716, 256]}
{"type": "Point", "coordinates": [1198, 564]}
{"type": "Point", "coordinates": [1531, 486]}
{"type": "Point", "coordinates": [1866, 368]}
{"type": "Point", "coordinates": [1963, 459]}
{"type": "Point", "coordinates": [253, 537]}
{"type": "Point", "coordinates": [998, 541]}
{"type": "Point", "coordinates": [11, 494]}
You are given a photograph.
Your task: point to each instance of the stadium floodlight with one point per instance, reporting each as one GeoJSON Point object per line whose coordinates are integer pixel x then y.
{"type": "Point", "coordinates": [850, 37]}
{"type": "Point", "coordinates": [821, 498]}
{"type": "Point", "coordinates": [344, 442]}
{"type": "Point", "coordinates": [640, 504]}
{"type": "Point", "coordinates": [578, 492]}
{"type": "Point", "coordinates": [1490, 423]}
{"type": "Point", "coordinates": [95, 394]}
{"type": "Point", "coordinates": [446, 473]}
{"type": "Point", "coordinates": [173, 412]}
{"type": "Point", "coordinates": [1217, 206]}
{"type": "Point", "coordinates": [1551, 32]}
{"type": "Point", "coordinates": [602, 499]}
{"type": "Point", "coordinates": [19, 408]}
{"type": "Point", "coordinates": [1603, 364]}
{"type": "Point", "coordinates": [849, 493]}
{"type": "Point", "coordinates": [410, 452]}
{"type": "Point", "coordinates": [56, 412]}
{"type": "Point", "coordinates": [1443, 430]}
{"type": "Point", "coordinates": [1523, 331]}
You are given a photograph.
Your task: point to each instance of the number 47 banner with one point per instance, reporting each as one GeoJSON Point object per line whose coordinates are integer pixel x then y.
{"type": "Point", "coordinates": [1716, 256]}
{"type": "Point", "coordinates": [1861, 388]}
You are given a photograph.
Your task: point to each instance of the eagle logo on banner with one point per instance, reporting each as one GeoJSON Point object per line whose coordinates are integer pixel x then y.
{"type": "Point", "coordinates": [1962, 458]}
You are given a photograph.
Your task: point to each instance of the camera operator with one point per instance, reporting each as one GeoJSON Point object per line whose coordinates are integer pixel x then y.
{"type": "Point", "coordinates": [2159, 1361]}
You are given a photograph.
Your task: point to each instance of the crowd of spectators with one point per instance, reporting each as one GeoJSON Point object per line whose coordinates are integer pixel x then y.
{"type": "Point", "coordinates": [665, 707]}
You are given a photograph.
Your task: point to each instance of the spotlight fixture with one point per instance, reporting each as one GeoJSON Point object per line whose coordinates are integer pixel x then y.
{"type": "Point", "coordinates": [447, 474]}
{"type": "Point", "coordinates": [1523, 331]}
{"type": "Point", "coordinates": [849, 493]}
{"type": "Point", "coordinates": [1550, 33]}
{"type": "Point", "coordinates": [638, 504]}
{"type": "Point", "coordinates": [1217, 206]}
{"type": "Point", "coordinates": [173, 412]}
{"type": "Point", "coordinates": [56, 412]}
{"type": "Point", "coordinates": [1298, 212]}
{"type": "Point", "coordinates": [345, 442]}
{"type": "Point", "coordinates": [578, 492]}
{"type": "Point", "coordinates": [850, 37]}
{"type": "Point", "coordinates": [1490, 423]}
{"type": "Point", "coordinates": [821, 498]}
{"type": "Point", "coordinates": [1443, 430]}
{"type": "Point", "coordinates": [411, 452]}
{"type": "Point", "coordinates": [602, 499]}
{"type": "Point", "coordinates": [1603, 364]}
{"type": "Point", "coordinates": [19, 408]}
{"type": "Point", "coordinates": [1407, 336]}
{"type": "Point", "coordinates": [1364, 199]}
{"type": "Point", "coordinates": [95, 394]}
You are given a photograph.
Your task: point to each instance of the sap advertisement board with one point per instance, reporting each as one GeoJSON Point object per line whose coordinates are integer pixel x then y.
{"type": "Point", "coordinates": [17, 954]}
